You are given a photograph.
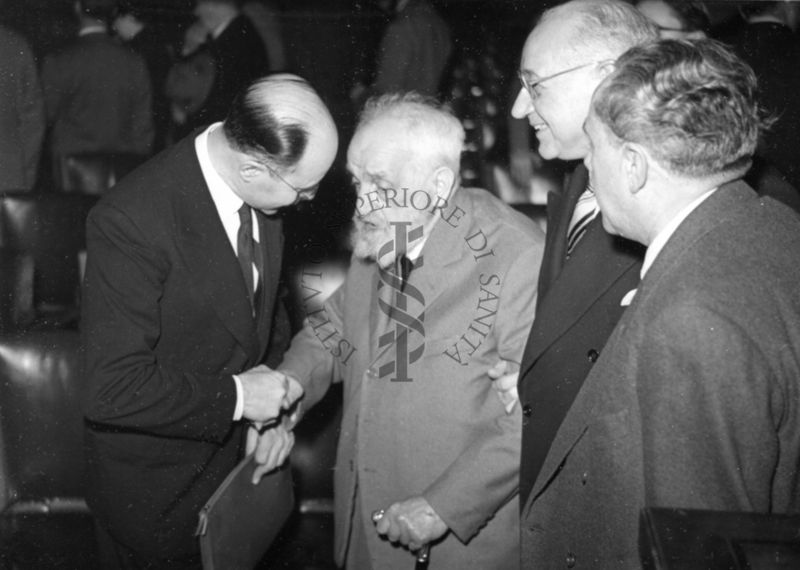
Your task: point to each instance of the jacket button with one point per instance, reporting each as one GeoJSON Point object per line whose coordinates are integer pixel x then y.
{"type": "Point", "coordinates": [592, 355]}
{"type": "Point", "coordinates": [571, 560]}
{"type": "Point", "coordinates": [527, 410]}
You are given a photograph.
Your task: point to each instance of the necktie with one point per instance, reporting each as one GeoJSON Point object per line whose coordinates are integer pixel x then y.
{"type": "Point", "coordinates": [247, 248]}
{"type": "Point", "coordinates": [403, 268]}
{"type": "Point", "coordinates": [585, 211]}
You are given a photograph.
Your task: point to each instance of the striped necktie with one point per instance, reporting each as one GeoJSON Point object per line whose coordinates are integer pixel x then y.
{"type": "Point", "coordinates": [586, 210]}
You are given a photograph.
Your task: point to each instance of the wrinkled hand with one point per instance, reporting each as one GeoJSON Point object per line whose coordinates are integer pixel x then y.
{"type": "Point", "coordinates": [271, 449]}
{"type": "Point", "coordinates": [412, 523]}
{"type": "Point", "coordinates": [266, 392]}
{"type": "Point", "coordinates": [504, 377]}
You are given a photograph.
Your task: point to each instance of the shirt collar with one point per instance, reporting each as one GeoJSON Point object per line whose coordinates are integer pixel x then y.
{"type": "Point", "coordinates": [666, 232]}
{"type": "Point", "coordinates": [225, 199]}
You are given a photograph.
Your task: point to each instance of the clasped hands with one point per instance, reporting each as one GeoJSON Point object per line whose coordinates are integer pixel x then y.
{"type": "Point", "coordinates": [413, 523]}
{"type": "Point", "coordinates": [270, 396]}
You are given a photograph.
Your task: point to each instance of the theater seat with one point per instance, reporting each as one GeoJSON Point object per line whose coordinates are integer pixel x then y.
{"type": "Point", "coordinates": [50, 228]}
{"type": "Point", "coordinates": [44, 520]}
{"type": "Point", "coordinates": [94, 173]}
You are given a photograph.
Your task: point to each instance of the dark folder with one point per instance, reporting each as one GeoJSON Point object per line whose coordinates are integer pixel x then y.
{"type": "Point", "coordinates": [240, 520]}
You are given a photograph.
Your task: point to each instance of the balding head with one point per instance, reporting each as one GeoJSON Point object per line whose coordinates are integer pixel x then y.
{"type": "Point", "coordinates": [282, 119]}
{"type": "Point", "coordinates": [602, 29]}
{"type": "Point", "coordinates": [276, 144]}
{"type": "Point", "coordinates": [565, 58]}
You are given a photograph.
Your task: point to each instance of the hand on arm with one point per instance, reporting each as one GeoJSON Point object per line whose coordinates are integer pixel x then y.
{"type": "Point", "coordinates": [266, 392]}
{"type": "Point", "coordinates": [504, 377]}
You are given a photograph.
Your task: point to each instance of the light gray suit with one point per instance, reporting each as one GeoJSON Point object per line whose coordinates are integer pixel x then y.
{"type": "Point", "coordinates": [444, 435]}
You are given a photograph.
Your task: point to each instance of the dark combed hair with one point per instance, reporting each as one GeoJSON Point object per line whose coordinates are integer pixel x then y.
{"type": "Point", "coordinates": [254, 128]}
{"type": "Point", "coordinates": [691, 103]}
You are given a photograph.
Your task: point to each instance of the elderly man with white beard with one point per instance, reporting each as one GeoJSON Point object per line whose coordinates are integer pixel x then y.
{"type": "Point", "coordinates": [425, 443]}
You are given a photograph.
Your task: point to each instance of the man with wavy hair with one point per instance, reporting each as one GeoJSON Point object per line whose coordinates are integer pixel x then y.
{"type": "Point", "coordinates": [694, 402]}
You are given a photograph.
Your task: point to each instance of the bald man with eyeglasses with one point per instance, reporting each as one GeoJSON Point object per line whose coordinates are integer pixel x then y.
{"type": "Point", "coordinates": [181, 313]}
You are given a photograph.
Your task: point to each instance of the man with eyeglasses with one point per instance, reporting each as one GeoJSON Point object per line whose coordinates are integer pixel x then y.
{"type": "Point", "coordinates": [181, 312]}
{"type": "Point", "coordinates": [585, 271]}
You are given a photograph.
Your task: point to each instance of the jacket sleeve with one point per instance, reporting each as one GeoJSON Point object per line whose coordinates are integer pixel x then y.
{"type": "Point", "coordinates": [127, 385]}
{"type": "Point", "coordinates": [486, 475]}
{"type": "Point", "coordinates": [313, 353]}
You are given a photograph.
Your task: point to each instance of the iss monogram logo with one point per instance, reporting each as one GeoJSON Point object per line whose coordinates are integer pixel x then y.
{"type": "Point", "coordinates": [405, 307]}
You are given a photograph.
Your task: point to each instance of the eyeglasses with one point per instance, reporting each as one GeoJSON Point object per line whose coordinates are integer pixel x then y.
{"type": "Point", "coordinates": [302, 193]}
{"type": "Point", "coordinates": [530, 86]}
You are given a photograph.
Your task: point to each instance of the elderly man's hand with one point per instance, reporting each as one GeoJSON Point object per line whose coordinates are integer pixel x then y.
{"type": "Point", "coordinates": [266, 392]}
{"type": "Point", "coordinates": [271, 449]}
{"type": "Point", "coordinates": [504, 377]}
{"type": "Point", "coordinates": [412, 523]}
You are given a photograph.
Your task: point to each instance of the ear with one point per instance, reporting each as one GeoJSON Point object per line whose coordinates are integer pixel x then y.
{"type": "Point", "coordinates": [606, 67]}
{"type": "Point", "coordinates": [444, 180]}
{"type": "Point", "coordinates": [636, 166]}
{"type": "Point", "coordinates": [250, 169]}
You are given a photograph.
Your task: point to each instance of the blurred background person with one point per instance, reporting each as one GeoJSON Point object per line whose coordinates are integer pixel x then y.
{"type": "Point", "coordinates": [767, 40]}
{"type": "Point", "coordinates": [136, 31]}
{"type": "Point", "coordinates": [266, 18]}
{"type": "Point", "coordinates": [21, 113]}
{"type": "Point", "coordinates": [413, 52]}
{"type": "Point", "coordinates": [677, 19]}
{"type": "Point", "coordinates": [97, 93]}
{"type": "Point", "coordinates": [238, 55]}
{"type": "Point", "coordinates": [189, 79]}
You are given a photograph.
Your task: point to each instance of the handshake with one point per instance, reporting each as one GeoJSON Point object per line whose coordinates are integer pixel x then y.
{"type": "Point", "coordinates": [269, 397]}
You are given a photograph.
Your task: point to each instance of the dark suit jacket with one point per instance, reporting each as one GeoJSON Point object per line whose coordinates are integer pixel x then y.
{"type": "Point", "coordinates": [578, 307]}
{"type": "Point", "coordinates": [239, 58]}
{"type": "Point", "coordinates": [166, 322]}
{"type": "Point", "coordinates": [98, 98]}
{"type": "Point", "coordinates": [695, 401]}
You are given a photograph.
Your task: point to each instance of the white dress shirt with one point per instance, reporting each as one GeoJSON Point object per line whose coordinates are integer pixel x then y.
{"type": "Point", "coordinates": [227, 203]}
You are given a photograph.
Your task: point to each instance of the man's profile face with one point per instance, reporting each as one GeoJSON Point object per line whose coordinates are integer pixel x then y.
{"type": "Point", "coordinates": [604, 160]}
{"type": "Point", "coordinates": [559, 105]}
{"type": "Point", "coordinates": [385, 175]}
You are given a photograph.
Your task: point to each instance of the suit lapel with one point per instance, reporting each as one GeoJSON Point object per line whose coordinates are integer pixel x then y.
{"type": "Point", "coordinates": [209, 256]}
{"type": "Point", "coordinates": [559, 214]}
{"type": "Point", "coordinates": [590, 273]}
